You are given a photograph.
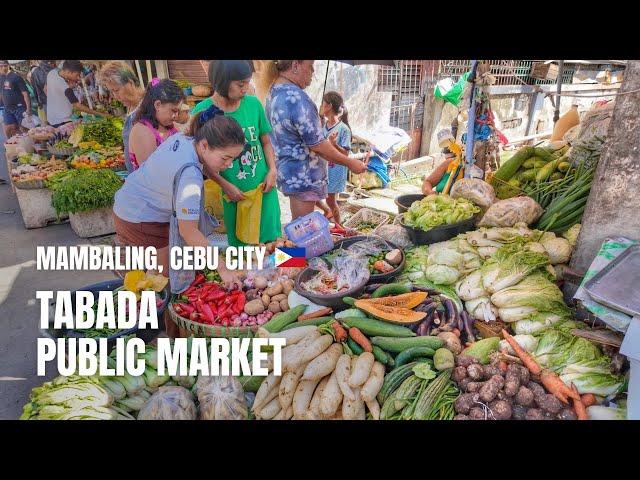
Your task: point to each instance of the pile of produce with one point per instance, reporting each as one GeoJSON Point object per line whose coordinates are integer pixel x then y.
{"type": "Point", "coordinates": [63, 144]}
{"type": "Point", "coordinates": [530, 165]}
{"type": "Point", "coordinates": [42, 171]}
{"type": "Point", "coordinates": [42, 133]}
{"type": "Point", "coordinates": [83, 190]}
{"type": "Point", "coordinates": [107, 132]}
{"type": "Point", "coordinates": [147, 397]}
{"type": "Point", "coordinates": [265, 296]}
{"type": "Point", "coordinates": [32, 159]}
{"type": "Point", "coordinates": [277, 243]}
{"type": "Point", "coordinates": [95, 160]}
{"type": "Point", "coordinates": [437, 210]}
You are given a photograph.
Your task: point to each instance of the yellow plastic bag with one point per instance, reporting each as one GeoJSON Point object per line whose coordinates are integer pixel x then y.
{"type": "Point", "coordinates": [213, 203]}
{"type": "Point", "coordinates": [248, 215]}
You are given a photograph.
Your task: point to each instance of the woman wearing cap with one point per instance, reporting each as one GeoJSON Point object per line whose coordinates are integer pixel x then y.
{"type": "Point", "coordinates": [302, 151]}
{"type": "Point", "coordinates": [230, 80]}
{"type": "Point", "coordinates": [161, 203]}
{"type": "Point", "coordinates": [154, 119]}
{"type": "Point", "coordinates": [124, 86]}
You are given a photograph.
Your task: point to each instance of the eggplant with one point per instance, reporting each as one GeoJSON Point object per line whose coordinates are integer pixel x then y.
{"type": "Point", "coordinates": [422, 330]}
{"type": "Point", "coordinates": [428, 321]}
{"type": "Point", "coordinates": [428, 308]}
{"type": "Point", "coordinates": [422, 288]}
{"type": "Point", "coordinates": [436, 318]}
{"type": "Point", "coordinates": [468, 327]}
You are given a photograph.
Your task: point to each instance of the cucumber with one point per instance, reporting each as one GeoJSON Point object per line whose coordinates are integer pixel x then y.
{"type": "Point", "coordinates": [391, 289]}
{"type": "Point", "coordinates": [412, 353]}
{"type": "Point", "coordinates": [281, 320]}
{"type": "Point", "coordinates": [543, 153]}
{"type": "Point", "coordinates": [397, 344]}
{"type": "Point", "coordinates": [509, 168]}
{"type": "Point", "coordinates": [382, 356]}
{"type": "Point", "coordinates": [304, 323]}
{"type": "Point", "coordinates": [355, 348]}
{"type": "Point", "coordinates": [394, 379]}
{"type": "Point", "coordinates": [349, 300]}
{"type": "Point", "coordinates": [372, 327]}
{"type": "Point", "coordinates": [351, 312]}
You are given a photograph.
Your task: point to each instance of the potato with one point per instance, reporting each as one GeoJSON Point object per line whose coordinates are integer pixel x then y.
{"type": "Point", "coordinates": [266, 300]}
{"type": "Point", "coordinates": [274, 290]}
{"type": "Point", "coordinates": [394, 257]}
{"type": "Point", "coordinates": [284, 305]}
{"type": "Point", "coordinates": [451, 342]}
{"type": "Point", "coordinates": [287, 286]}
{"type": "Point", "coordinates": [260, 283]}
{"type": "Point", "coordinates": [278, 298]}
{"type": "Point", "coordinates": [274, 307]}
{"type": "Point", "coordinates": [254, 307]}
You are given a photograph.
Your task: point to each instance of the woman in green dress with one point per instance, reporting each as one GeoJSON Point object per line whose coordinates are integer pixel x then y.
{"type": "Point", "coordinates": [230, 80]}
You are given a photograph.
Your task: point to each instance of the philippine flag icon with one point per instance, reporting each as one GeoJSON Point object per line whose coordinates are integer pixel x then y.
{"type": "Point", "coordinates": [291, 257]}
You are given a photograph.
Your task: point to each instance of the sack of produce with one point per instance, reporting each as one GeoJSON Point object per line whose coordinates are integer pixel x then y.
{"type": "Point", "coordinates": [474, 190]}
{"type": "Point", "coordinates": [506, 213]}
{"type": "Point", "coordinates": [169, 403]}
{"type": "Point", "coordinates": [395, 234]}
{"type": "Point", "coordinates": [221, 398]}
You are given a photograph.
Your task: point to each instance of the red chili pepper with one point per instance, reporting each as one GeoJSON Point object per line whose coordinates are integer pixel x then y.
{"type": "Point", "coordinates": [215, 296]}
{"type": "Point", "coordinates": [239, 305]}
{"type": "Point", "coordinates": [189, 309]}
{"type": "Point", "coordinates": [195, 317]}
{"type": "Point", "coordinates": [199, 304]}
{"type": "Point", "coordinates": [213, 308]}
{"type": "Point", "coordinates": [223, 310]}
{"type": "Point", "coordinates": [200, 278]}
{"type": "Point", "coordinates": [206, 309]}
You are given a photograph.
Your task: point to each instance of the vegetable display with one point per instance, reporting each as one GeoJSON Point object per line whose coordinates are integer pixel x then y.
{"type": "Point", "coordinates": [85, 190]}
{"type": "Point", "coordinates": [437, 210]}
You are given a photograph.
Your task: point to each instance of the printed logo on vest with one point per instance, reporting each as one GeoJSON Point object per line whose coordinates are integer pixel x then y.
{"type": "Point", "coordinates": [190, 211]}
{"type": "Point", "coordinates": [176, 144]}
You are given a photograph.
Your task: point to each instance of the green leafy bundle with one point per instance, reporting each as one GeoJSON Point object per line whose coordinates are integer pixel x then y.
{"type": "Point", "coordinates": [106, 132]}
{"type": "Point", "coordinates": [85, 190]}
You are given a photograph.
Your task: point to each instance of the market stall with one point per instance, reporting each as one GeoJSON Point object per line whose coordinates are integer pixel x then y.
{"type": "Point", "coordinates": [452, 309]}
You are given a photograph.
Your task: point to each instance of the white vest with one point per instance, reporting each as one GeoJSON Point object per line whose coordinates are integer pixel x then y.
{"type": "Point", "coordinates": [59, 107]}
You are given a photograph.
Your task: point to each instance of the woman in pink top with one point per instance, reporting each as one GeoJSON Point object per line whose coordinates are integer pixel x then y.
{"type": "Point", "coordinates": [154, 120]}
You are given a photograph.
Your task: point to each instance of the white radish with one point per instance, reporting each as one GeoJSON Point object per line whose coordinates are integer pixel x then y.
{"type": "Point", "coordinates": [311, 351]}
{"type": "Point", "coordinates": [302, 397]}
{"type": "Point", "coordinates": [331, 397]}
{"type": "Point", "coordinates": [294, 335]}
{"type": "Point", "coordinates": [314, 406]}
{"type": "Point", "coordinates": [353, 410]}
{"type": "Point", "coordinates": [374, 383]}
{"type": "Point", "coordinates": [343, 371]}
{"type": "Point", "coordinates": [270, 410]}
{"type": "Point", "coordinates": [323, 364]}
{"type": "Point", "coordinates": [291, 354]}
{"type": "Point", "coordinates": [284, 414]}
{"type": "Point", "coordinates": [288, 386]}
{"type": "Point", "coordinates": [374, 408]}
{"type": "Point", "coordinates": [361, 369]}
{"type": "Point", "coordinates": [266, 387]}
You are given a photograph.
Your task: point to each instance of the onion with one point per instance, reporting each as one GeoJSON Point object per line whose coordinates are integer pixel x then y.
{"type": "Point", "coordinates": [244, 315]}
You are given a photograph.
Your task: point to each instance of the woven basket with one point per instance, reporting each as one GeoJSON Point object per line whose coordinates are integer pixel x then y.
{"type": "Point", "coordinates": [60, 152]}
{"type": "Point", "coordinates": [29, 184]}
{"type": "Point", "coordinates": [43, 137]}
{"type": "Point", "coordinates": [201, 330]}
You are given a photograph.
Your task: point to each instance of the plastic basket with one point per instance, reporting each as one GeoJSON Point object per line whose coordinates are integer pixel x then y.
{"type": "Point", "coordinates": [367, 215]}
{"type": "Point", "coordinates": [317, 243]}
{"type": "Point", "coordinates": [304, 227]}
{"type": "Point", "coordinates": [197, 329]}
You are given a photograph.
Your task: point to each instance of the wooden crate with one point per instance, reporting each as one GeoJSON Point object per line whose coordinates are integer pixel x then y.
{"type": "Point", "coordinates": [544, 71]}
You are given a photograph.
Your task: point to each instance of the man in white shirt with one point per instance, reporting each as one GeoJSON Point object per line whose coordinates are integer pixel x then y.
{"type": "Point", "coordinates": [61, 99]}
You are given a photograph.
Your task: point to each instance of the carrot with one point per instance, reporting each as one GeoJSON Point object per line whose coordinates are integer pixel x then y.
{"type": "Point", "coordinates": [340, 334]}
{"type": "Point", "coordinates": [581, 410]}
{"type": "Point", "coordinates": [317, 314]}
{"type": "Point", "coordinates": [527, 359]}
{"type": "Point", "coordinates": [360, 339]}
{"type": "Point", "coordinates": [557, 387]}
{"type": "Point", "coordinates": [588, 399]}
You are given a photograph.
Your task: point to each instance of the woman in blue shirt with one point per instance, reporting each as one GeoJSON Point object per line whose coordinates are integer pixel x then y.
{"type": "Point", "coordinates": [301, 149]}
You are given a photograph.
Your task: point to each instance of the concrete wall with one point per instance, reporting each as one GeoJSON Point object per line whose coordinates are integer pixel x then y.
{"type": "Point", "coordinates": [367, 107]}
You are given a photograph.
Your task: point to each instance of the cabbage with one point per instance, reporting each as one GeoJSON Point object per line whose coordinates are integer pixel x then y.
{"type": "Point", "coordinates": [534, 291]}
{"type": "Point", "coordinates": [436, 210]}
{"type": "Point", "coordinates": [447, 257]}
{"type": "Point", "coordinates": [572, 235]}
{"type": "Point", "coordinates": [471, 286]}
{"type": "Point", "coordinates": [481, 309]}
{"type": "Point", "coordinates": [442, 274]}
{"type": "Point", "coordinates": [513, 264]}
{"type": "Point", "coordinates": [558, 249]}
{"type": "Point", "coordinates": [602, 384]}
{"type": "Point", "coordinates": [553, 348]}
{"type": "Point", "coordinates": [536, 323]}
{"type": "Point", "coordinates": [598, 412]}
{"type": "Point", "coordinates": [528, 342]}
{"type": "Point", "coordinates": [514, 314]}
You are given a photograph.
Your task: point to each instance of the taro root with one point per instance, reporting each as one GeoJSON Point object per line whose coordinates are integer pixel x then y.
{"type": "Point", "coordinates": [477, 413]}
{"type": "Point", "coordinates": [474, 387]}
{"type": "Point", "coordinates": [518, 412]}
{"type": "Point", "coordinates": [475, 371]}
{"type": "Point", "coordinates": [549, 403]}
{"type": "Point", "coordinates": [524, 397]}
{"type": "Point", "coordinates": [461, 417]}
{"type": "Point", "coordinates": [464, 403]}
{"type": "Point", "coordinates": [536, 388]}
{"type": "Point", "coordinates": [490, 371]}
{"type": "Point", "coordinates": [512, 383]}
{"type": "Point", "coordinates": [534, 414]}
{"type": "Point", "coordinates": [491, 388]}
{"type": "Point", "coordinates": [465, 361]}
{"type": "Point", "coordinates": [459, 373]}
{"type": "Point", "coordinates": [501, 410]}
{"type": "Point", "coordinates": [567, 414]}
{"type": "Point", "coordinates": [464, 383]}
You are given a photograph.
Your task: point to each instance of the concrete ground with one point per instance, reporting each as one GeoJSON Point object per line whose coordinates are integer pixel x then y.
{"type": "Point", "coordinates": [19, 281]}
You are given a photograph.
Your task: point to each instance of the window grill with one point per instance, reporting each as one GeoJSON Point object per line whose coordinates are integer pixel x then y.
{"type": "Point", "coordinates": [507, 72]}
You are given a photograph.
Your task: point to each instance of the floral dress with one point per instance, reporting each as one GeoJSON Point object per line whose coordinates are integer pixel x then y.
{"type": "Point", "coordinates": [296, 127]}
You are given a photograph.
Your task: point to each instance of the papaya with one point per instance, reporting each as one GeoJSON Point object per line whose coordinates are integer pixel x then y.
{"type": "Point", "coordinates": [398, 315]}
{"type": "Point", "coordinates": [404, 300]}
